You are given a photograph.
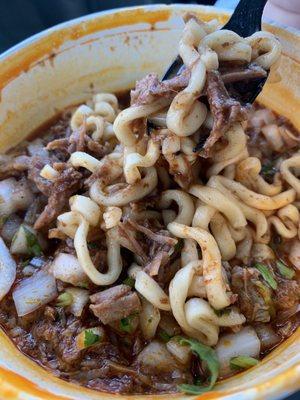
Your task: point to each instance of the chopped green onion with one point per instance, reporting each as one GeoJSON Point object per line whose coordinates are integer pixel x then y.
{"type": "Point", "coordinates": [129, 281]}
{"type": "Point", "coordinates": [243, 362]}
{"type": "Point", "coordinates": [165, 337]}
{"type": "Point", "coordinates": [64, 300]}
{"type": "Point", "coordinates": [33, 245]}
{"type": "Point", "coordinates": [266, 294]}
{"type": "Point", "coordinates": [126, 324]}
{"type": "Point", "coordinates": [267, 275]}
{"type": "Point", "coordinates": [90, 338]}
{"type": "Point", "coordinates": [285, 271]}
{"type": "Point", "coordinates": [209, 356]}
{"type": "Point", "coordinates": [224, 311]}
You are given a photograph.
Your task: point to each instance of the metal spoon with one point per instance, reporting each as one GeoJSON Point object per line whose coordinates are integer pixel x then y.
{"type": "Point", "coordinates": [245, 20]}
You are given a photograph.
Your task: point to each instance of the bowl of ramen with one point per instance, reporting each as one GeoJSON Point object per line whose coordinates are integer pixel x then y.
{"type": "Point", "coordinates": [149, 228]}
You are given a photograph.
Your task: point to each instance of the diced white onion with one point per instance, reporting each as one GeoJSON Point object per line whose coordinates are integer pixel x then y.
{"type": "Point", "coordinates": [14, 196]}
{"type": "Point", "coordinates": [37, 148]}
{"type": "Point", "coordinates": [261, 252]}
{"type": "Point", "coordinates": [155, 358]}
{"type": "Point", "coordinates": [181, 353]}
{"type": "Point", "coordinates": [34, 292]}
{"type": "Point", "coordinates": [19, 243]}
{"type": "Point", "coordinates": [10, 227]}
{"type": "Point", "coordinates": [243, 343]}
{"type": "Point", "coordinates": [7, 269]}
{"type": "Point", "coordinates": [66, 268]}
{"type": "Point", "coordinates": [80, 298]}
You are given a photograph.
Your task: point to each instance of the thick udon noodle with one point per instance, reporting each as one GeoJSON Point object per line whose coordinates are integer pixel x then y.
{"type": "Point", "coordinates": [214, 216]}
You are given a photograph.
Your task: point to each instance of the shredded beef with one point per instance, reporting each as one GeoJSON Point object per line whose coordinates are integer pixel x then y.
{"type": "Point", "coordinates": [79, 141]}
{"type": "Point", "coordinates": [115, 303]}
{"type": "Point", "coordinates": [50, 338]}
{"type": "Point", "coordinates": [67, 183]}
{"type": "Point", "coordinates": [36, 165]}
{"type": "Point", "coordinates": [250, 301]}
{"type": "Point", "coordinates": [287, 294]}
{"type": "Point", "coordinates": [159, 260]}
{"type": "Point", "coordinates": [150, 88]}
{"type": "Point", "coordinates": [134, 244]}
{"type": "Point", "coordinates": [235, 73]}
{"type": "Point", "coordinates": [162, 237]}
{"type": "Point", "coordinates": [224, 109]}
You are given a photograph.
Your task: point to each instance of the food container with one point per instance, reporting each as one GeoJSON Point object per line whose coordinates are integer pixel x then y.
{"type": "Point", "coordinates": [109, 51]}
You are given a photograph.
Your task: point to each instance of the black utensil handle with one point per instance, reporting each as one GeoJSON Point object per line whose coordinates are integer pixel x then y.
{"type": "Point", "coordinates": [246, 18]}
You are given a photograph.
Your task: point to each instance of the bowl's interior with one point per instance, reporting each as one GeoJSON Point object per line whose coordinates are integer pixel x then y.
{"type": "Point", "coordinates": [109, 52]}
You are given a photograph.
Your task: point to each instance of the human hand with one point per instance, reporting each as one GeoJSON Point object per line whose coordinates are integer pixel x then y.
{"type": "Point", "coordinates": [285, 11]}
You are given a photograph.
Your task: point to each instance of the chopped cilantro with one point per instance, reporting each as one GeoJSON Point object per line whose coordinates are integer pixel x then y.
{"type": "Point", "coordinates": [209, 356]}
{"type": "Point", "coordinates": [90, 338]}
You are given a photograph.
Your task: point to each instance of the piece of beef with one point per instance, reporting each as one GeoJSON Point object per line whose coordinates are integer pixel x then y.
{"type": "Point", "coordinates": [48, 336]}
{"type": "Point", "coordinates": [245, 282]}
{"type": "Point", "coordinates": [159, 260]}
{"type": "Point", "coordinates": [115, 303]}
{"type": "Point", "coordinates": [287, 294]}
{"type": "Point", "coordinates": [150, 88]}
{"type": "Point", "coordinates": [60, 129]}
{"type": "Point", "coordinates": [79, 141]}
{"type": "Point", "coordinates": [134, 244]}
{"type": "Point", "coordinates": [231, 72]}
{"type": "Point", "coordinates": [162, 237]}
{"type": "Point", "coordinates": [65, 185]}
{"type": "Point", "coordinates": [36, 165]}
{"type": "Point", "coordinates": [224, 109]}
